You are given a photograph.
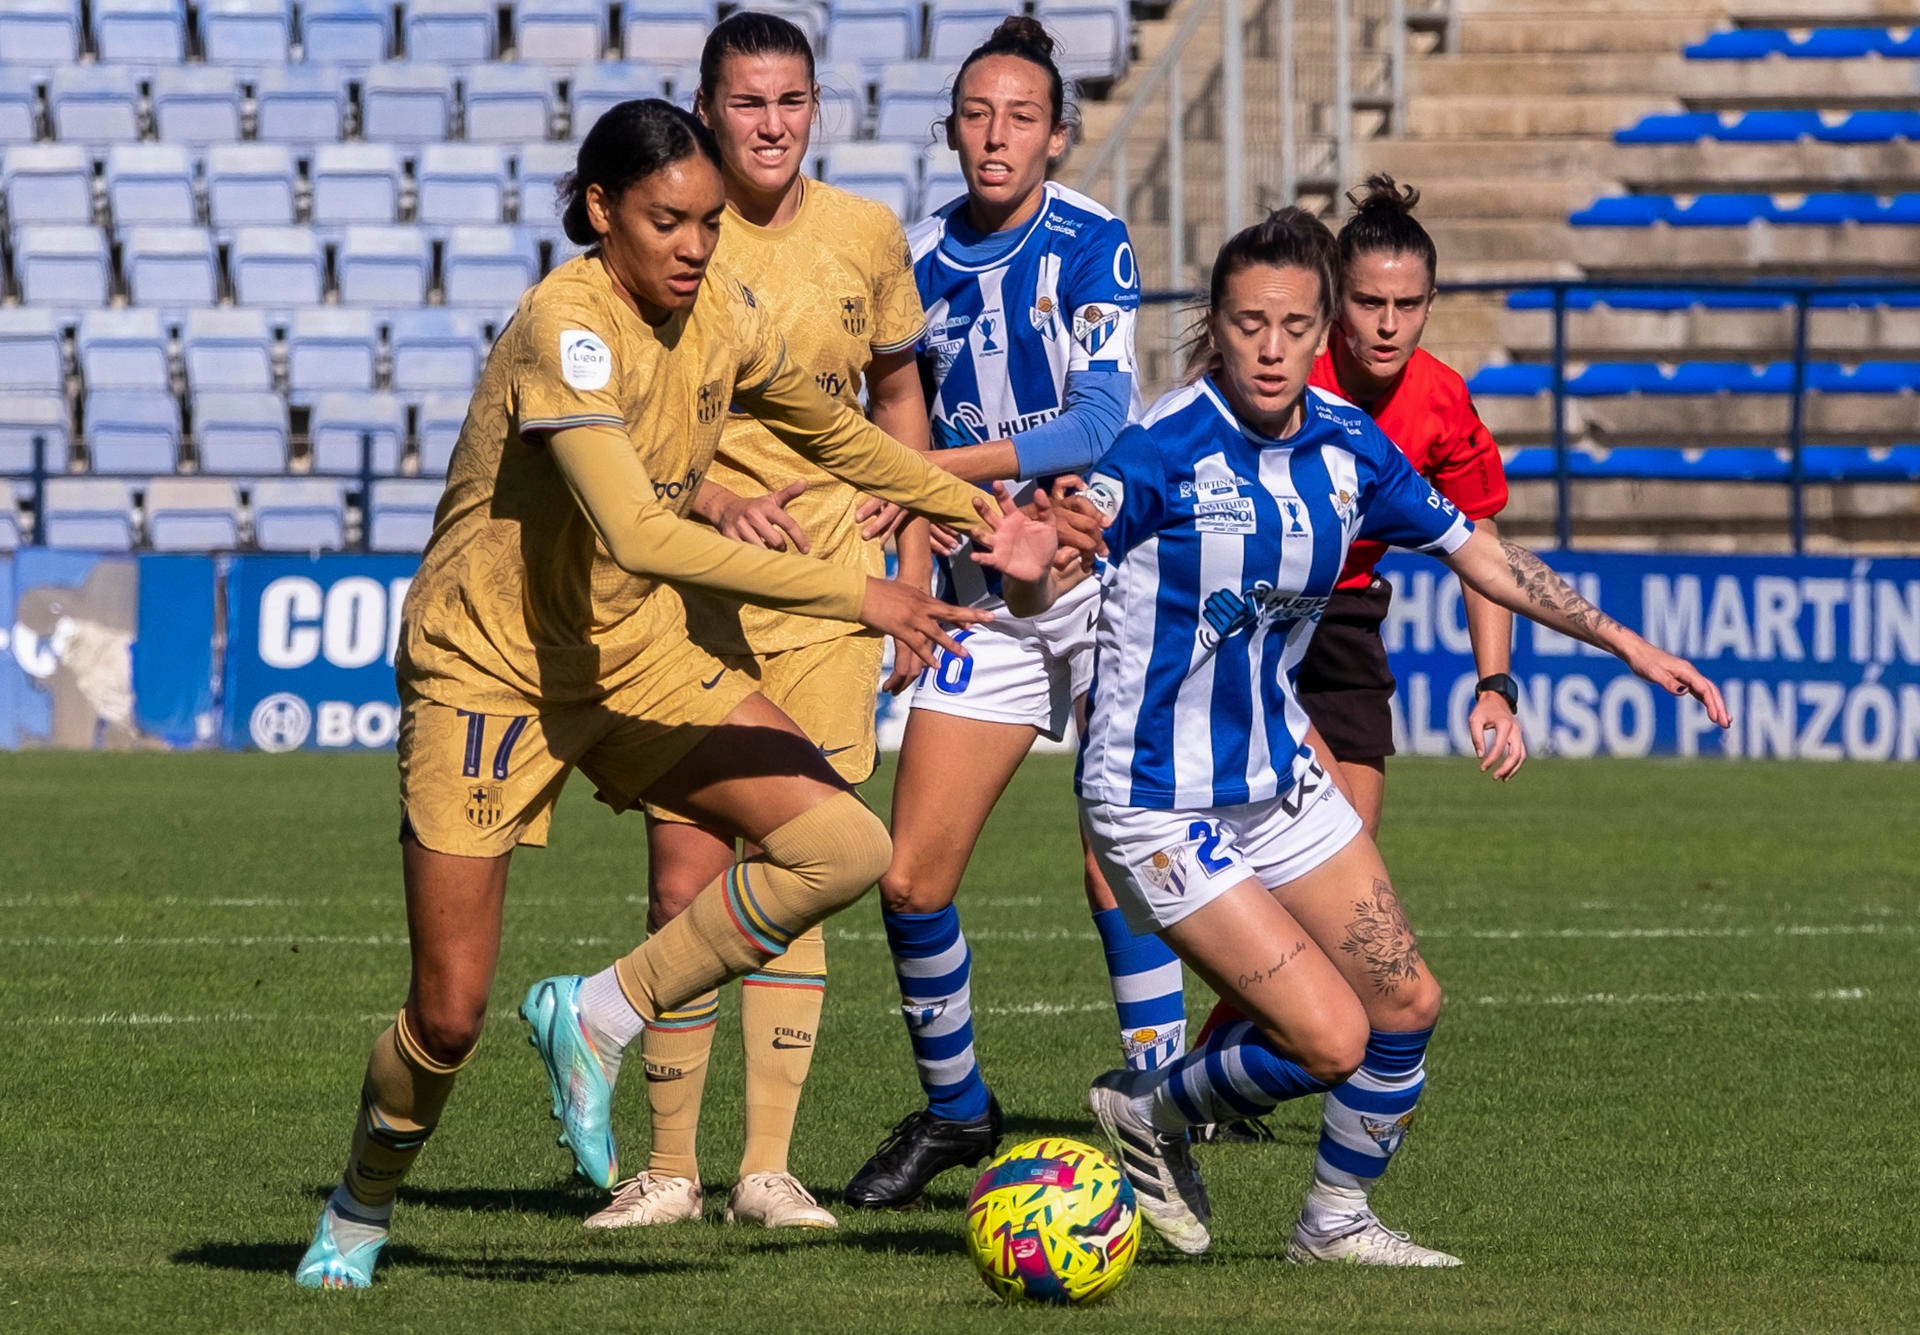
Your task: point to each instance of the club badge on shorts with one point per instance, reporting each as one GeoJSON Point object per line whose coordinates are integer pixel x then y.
{"type": "Point", "coordinates": [484, 808]}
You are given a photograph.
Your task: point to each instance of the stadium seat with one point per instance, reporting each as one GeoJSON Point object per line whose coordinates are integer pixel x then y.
{"type": "Point", "coordinates": [277, 266]}
{"type": "Point", "coordinates": [955, 27]}
{"type": "Point", "coordinates": [595, 88]}
{"type": "Point", "coordinates": [1740, 44]}
{"type": "Point", "coordinates": [27, 416]}
{"type": "Point", "coordinates": [47, 183]}
{"type": "Point", "coordinates": [400, 514]}
{"type": "Point", "coordinates": [912, 99]}
{"type": "Point", "coordinates": [844, 99]}
{"type": "Point", "coordinates": [488, 267]}
{"type": "Point", "coordinates": [169, 266]}
{"type": "Point", "coordinates": [122, 349]}
{"type": "Point", "coordinates": [299, 104]}
{"type": "Point", "coordinates": [383, 266]}
{"type": "Point", "coordinates": [406, 104]}
{"type": "Point", "coordinates": [1830, 208]}
{"type": "Point", "coordinates": [666, 32]}
{"type": "Point", "coordinates": [140, 32]}
{"type": "Point", "coordinates": [1870, 377]}
{"type": "Point", "coordinates": [30, 353]}
{"type": "Point", "coordinates": [19, 106]}
{"type": "Point", "coordinates": [1686, 127]}
{"type": "Point", "coordinates": [1903, 210]}
{"type": "Point", "coordinates": [560, 32]}
{"type": "Point", "coordinates": [250, 185]}
{"type": "Point", "coordinates": [1625, 211]}
{"type": "Point", "coordinates": [237, 431]}
{"type": "Point", "coordinates": [1772, 127]}
{"type": "Point", "coordinates": [1093, 36]}
{"type": "Point", "coordinates": [460, 183]}
{"type": "Point", "coordinates": [809, 16]}
{"type": "Point", "coordinates": [150, 183]}
{"type": "Point", "coordinates": [434, 350]}
{"type": "Point", "coordinates": [331, 348]}
{"type": "Point", "coordinates": [1611, 379]}
{"type": "Point", "coordinates": [438, 427]}
{"type": "Point", "coordinates": [873, 32]}
{"type": "Point", "coordinates": [64, 268]}
{"type": "Point", "coordinates": [884, 172]}
{"type": "Point", "coordinates": [196, 105]}
{"type": "Point", "coordinates": [245, 32]}
{"type": "Point", "coordinates": [1668, 464]}
{"type": "Point", "coordinates": [1521, 381]}
{"type": "Point", "coordinates": [451, 32]}
{"type": "Point", "coordinates": [508, 104]}
{"type": "Point", "coordinates": [1709, 378]}
{"type": "Point", "coordinates": [192, 514]}
{"type": "Point", "coordinates": [1873, 127]}
{"type": "Point", "coordinates": [339, 423]}
{"type": "Point", "coordinates": [40, 32]}
{"type": "Point", "coordinates": [1841, 44]}
{"type": "Point", "coordinates": [350, 33]}
{"type": "Point", "coordinates": [227, 348]}
{"type": "Point", "coordinates": [1724, 210]}
{"type": "Point", "coordinates": [1854, 463]}
{"type": "Point", "coordinates": [299, 514]}
{"type": "Point", "coordinates": [131, 430]}
{"type": "Point", "coordinates": [94, 104]}
{"type": "Point", "coordinates": [89, 514]}
{"type": "Point", "coordinates": [355, 183]}
{"type": "Point", "coordinates": [538, 169]}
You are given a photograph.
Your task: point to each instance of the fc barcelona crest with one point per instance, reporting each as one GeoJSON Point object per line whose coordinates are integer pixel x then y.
{"type": "Point", "coordinates": [853, 316]}
{"type": "Point", "coordinates": [483, 806]}
{"type": "Point", "coordinates": [709, 405]}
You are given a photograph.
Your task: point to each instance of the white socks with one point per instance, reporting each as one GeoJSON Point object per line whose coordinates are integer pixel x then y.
{"type": "Point", "coordinates": [610, 1018]}
{"type": "Point", "coordinates": [354, 1224]}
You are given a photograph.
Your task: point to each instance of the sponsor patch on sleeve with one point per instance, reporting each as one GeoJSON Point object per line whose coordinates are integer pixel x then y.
{"type": "Point", "coordinates": [1107, 494]}
{"type": "Point", "coordinates": [585, 362]}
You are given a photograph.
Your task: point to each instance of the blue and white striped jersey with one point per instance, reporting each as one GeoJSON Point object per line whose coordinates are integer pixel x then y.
{"type": "Point", "coordinates": [1224, 548]}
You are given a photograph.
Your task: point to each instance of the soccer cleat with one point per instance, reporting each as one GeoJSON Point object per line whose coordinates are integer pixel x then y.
{"type": "Point", "coordinates": [918, 1149]}
{"type": "Point", "coordinates": [776, 1200]}
{"type": "Point", "coordinates": [326, 1266]}
{"type": "Point", "coordinates": [582, 1096]}
{"type": "Point", "coordinates": [1240, 1131]}
{"type": "Point", "coordinates": [1368, 1242]}
{"type": "Point", "coordinates": [651, 1198]}
{"type": "Point", "coordinates": [1166, 1181]}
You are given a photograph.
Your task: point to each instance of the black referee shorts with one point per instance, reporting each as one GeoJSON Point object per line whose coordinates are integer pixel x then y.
{"type": "Point", "coordinates": [1345, 684]}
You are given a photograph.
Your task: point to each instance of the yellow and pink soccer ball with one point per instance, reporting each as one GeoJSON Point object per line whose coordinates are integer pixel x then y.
{"type": "Point", "coordinates": [1053, 1221]}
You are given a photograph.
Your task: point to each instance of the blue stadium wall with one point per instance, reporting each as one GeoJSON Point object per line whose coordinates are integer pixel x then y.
{"type": "Point", "coordinates": [1819, 657]}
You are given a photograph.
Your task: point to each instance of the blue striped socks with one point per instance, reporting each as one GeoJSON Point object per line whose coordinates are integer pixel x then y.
{"type": "Point", "coordinates": [1147, 993]}
{"type": "Point", "coordinates": [1365, 1119]}
{"type": "Point", "coordinates": [933, 965]}
{"type": "Point", "coordinates": [1237, 1072]}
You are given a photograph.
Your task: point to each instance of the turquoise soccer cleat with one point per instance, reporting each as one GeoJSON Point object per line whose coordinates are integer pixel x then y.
{"type": "Point", "coordinates": [325, 1266]}
{"type": "Point", "coordinates": [582, 1098]}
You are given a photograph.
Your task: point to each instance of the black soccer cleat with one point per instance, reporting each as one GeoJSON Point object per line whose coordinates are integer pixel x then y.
{"type": "Point", "coordinates": [1241, 1131]}
{"type": "Point", "coordinates": [917, 1151]}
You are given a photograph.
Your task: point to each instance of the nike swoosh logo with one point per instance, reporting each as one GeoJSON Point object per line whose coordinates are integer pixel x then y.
{"type": "Point", "coordinates": [782, 1043]}
{"type": "Point", "coordinates": [824, 752]}
{"type": "Point", "coordinates": [709, 685]}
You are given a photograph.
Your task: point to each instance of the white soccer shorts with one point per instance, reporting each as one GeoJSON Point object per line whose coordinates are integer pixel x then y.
{"type": "Point", "coordinates": [1022, 670]}
{"type": "Point", "coordinates": [1164, 865]}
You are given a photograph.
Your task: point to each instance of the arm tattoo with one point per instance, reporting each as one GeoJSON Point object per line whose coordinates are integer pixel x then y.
{"type": "Point", "coordinates": [1548, 592]}
{"type": "Point", "coordinates": [1381, 939]}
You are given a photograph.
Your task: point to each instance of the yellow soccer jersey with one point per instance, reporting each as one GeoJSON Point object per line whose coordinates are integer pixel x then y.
{"type": "Point", "coordinates": [838, 283]}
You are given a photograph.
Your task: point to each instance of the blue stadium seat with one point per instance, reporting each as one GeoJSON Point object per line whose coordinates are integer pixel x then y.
{"type": "Point", "coordinates": [330, 348]}
{"type": "Point", "coordinates": [237, 431]}
{"type": "Point", "coordinates": [64, 268]}
{"type": "Point", "coordinates": [30, 353]}
{"type": "Point", "coordinates": [1625, 211]}
{"type": "Point", "coordinates": [1094, 36]}
{"type": "Point", "coordinates": [132, 430]}
{"type": "Point", "coordinates": [912, 98]}
{"type": "Point", "coordinates": [1734, 300]}
{"type": "Point", "coordinates": [1873, 127]}
{"type": "Point", "coordinates": [39, 32]}
{"type": "Point", "coordinates": [451, 32]}
{"type": "Point", "coordinates": [1740, 44]}
{"type": "Point", "coordinates": [488, 267]}
{"type": "Point", "coordinates": [873, 32]}
{"type": "Point", "coordinates": [1829, 208]}
{"type": "Point", "coordinates": [407, 104]}
{"type": "Point", "coordinates": [1654, 463]}
{"type": "Point", "coordinates": [19, 106]}
{"type": "Point", "coordinates": [595, 88]}
{"type": "Point", "coordinates": [438, 427]}
{"type": "Point", "coordinates": [1841, 44]}
{"type": "Point", "coordinates": [400, 514]}
{"type": "Point", "coordinates": [88, 514]}
{"type": "Point", "coordinates": [338, 422]}
{"type": "Point", "coordinates": [941, 176]}
{"type": "Point", "coordinates": [1640, 299]}
{"type": "Point", "coordinates": [277, 267]}
{"type": "Point", "coordinates": [150, 183]}
{"type": "Point", "coordinates": [1903, 210]}
{"type": "Point", "coordinates": [192, 514]}
{"type": "Point", "coordinates": [887, 172]}
{"type": "Point", "coordinates": [1529, 465]}
{"type": "Point", "coordinates": [1858, 463]}
{"type": "Point", "coordinates": [1907, 47]}
{"type": "Point", "coordinates": [300, 104]}
{"type": "Point", "coordinates": [1878, 377]}
{"type": "Point", "coordinates": [1725, 210]}
{"type": "Point", "coordinates": [508, 104]}
{"type": "Point", "coordinates": [1510, 382]}
{"type": "Point", "coordinates": [170, 267]}
{"type": "Point", "coordinates": [12, 522]}
{"type": "Point", "coordinates": [299, 514]}
{"type": "Point", "coordinates": [955, 27]}
{"type": "Point", "coordinates": [27, 416]}
{"type": "Point", "coordinates": [140, 32]}
{"type": "Point", "coordinates": [538, 169]}
{"type": "Point", "coordinates": [434, 349]}
{"type": "Point", "coordinates": [355, 183]}
{"type": "Point", "coordinates": [383, 266]}
{"type": "Point", "coordinates": [1685, 127]}
{"type": "Point", "coordinates": [94, 104]}
{"type": "Point", "coordinates": [809, 16]}
{"type": "Point", "coordinates": [350, 33]}
{"type": "Point", "coordinates": [1772, 127]}
{"type": "Point", "coordinates": [122, 349]}
{"type": "Point", "coordinates": [1611, 379]}
{"type": "Point", "coordinates": [460, 183]}
{"type": "Point", "coordinates": [227, 348]}
{"type": "Point", "coordinates": [1708, 378]}
{"type": "Point", "coordinates": [844, 99]}
{"type": "Point", "coordinates": [1541, 299]}
{"type": "Point", "coordinates": [666, 32]}
{"type": "Point", "coordinates": [250, 185]}
{"type": "Point", "coordinates": [196, 105]}
{"type": "Point", "coordinates": [245, 32]}
{"type": "Point", "coordinates": [560, 32]}
{"type": "Point", "coordinates": [47, 183]}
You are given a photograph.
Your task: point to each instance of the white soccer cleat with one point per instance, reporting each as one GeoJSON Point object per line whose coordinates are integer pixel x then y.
{"type": "Point", "coordinates": [776, 1200]}
{"type": "Point", "coordinates": [1166, 1181]}
{"type": "Point", "coordinates": [651, 1198]}
{"type": "Point", "coordinates": [1367, 1242]}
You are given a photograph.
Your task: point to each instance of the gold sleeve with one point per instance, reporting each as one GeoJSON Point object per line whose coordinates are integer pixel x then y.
{"type": "Point", "coordinates": [898, 317]}
{"type": "Point", "coordinates": [645, 538]}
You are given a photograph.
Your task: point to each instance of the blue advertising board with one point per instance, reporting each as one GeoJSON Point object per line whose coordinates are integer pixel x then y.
{"type": "Point", "coordinates": [66, 676]}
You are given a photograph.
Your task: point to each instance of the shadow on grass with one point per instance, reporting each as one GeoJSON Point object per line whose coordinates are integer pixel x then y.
{"type": "Point", "coordinates": [927, 1241]}
{"type": "Point", "coordinates": [566, 1200]}
{"type": "Point", "coordinates": [279, 1258]}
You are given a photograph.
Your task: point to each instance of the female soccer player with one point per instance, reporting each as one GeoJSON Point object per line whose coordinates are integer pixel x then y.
{"type": "Point", "coordinates": [544, 632]}
{"type": "Point", "coordinates": [1031, 293]}
{"type": "Point", "coordinates": [833, 271]}
{"type": "Point", "coordinates": [1231, 510]}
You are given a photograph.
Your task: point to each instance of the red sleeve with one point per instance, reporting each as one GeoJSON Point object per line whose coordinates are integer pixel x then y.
{"type": "Point", "coordinates": [1465, 464]}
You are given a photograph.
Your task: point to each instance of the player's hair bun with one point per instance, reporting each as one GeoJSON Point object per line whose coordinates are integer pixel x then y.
{"type": "Point", "coordinates": [1383, 224]}
{"type": "Point", "coordinates": [1380, 193]}
{"type": "Point", "coordinates": [1024, 39]}
{"type": "Point", "coordinates": [1026, 31]}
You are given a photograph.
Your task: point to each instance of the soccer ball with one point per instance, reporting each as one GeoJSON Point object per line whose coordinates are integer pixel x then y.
{"type": "Point", "coordinates": [1053, 1221]}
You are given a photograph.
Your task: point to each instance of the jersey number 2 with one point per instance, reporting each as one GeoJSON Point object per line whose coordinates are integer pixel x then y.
{"type": "Point", "coordinates": [1205, 853]}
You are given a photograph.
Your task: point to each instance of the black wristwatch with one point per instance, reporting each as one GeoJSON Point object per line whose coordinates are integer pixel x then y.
{"type": "Point", "coordinates": [1501, 685]}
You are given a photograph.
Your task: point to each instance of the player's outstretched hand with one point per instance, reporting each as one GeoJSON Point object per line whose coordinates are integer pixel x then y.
{"type": "Point", "coordinates": [1679, 677]}
{"type": "Point", "coordinates": [917, 621]}
{"type": "Point", "coordinates": [1022, 545]}
{"type": "Point", "coordinates": [1506, 749]}
{"type": "Point", "coordinates": [879, 519]}
{"type": "Point", "coordinates": [763, 521]}
{"type": "Point", "coordinates": [1081, 527]}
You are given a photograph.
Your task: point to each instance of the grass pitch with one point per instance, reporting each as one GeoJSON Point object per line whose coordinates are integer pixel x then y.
{"type": "Point", "coordinates": [1673, 1089]}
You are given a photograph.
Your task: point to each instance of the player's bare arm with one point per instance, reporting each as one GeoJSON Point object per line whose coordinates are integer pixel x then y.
{"type": "Point", "coordinates": [1490, 634]}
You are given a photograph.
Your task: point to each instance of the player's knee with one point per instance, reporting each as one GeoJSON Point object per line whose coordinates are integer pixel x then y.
{"type": "Point", "coordinates": [837, 849]}
{"type": "Point", "coordinates": [447, 1029]}
{"type": "Point", "coordinates": [668, 896]}
{"type": "Point", "coordinates": [1413, 1005]}
{"type": "Point", "coordinates": [1332, 1052]}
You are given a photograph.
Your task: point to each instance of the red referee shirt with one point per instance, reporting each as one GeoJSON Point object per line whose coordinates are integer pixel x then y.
{"type": "Point", "coordinates": [1431, 418]}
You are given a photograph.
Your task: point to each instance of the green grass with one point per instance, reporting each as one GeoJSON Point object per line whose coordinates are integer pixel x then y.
{"type": "Point", "coordinates": [1673, 1090]}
